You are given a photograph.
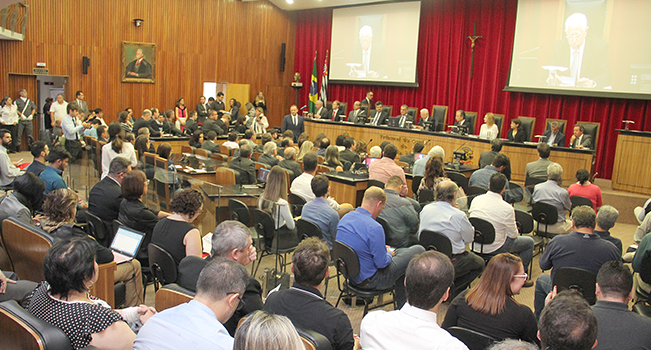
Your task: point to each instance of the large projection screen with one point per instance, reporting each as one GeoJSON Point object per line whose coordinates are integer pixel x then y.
{"type": "Point", "coordinates": [582, 47]}
{"type": "Point", "coordinates": [375, 44]}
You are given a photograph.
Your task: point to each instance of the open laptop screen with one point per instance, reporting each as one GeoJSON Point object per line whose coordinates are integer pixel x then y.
{"type": "Point", "coordinates": [127, 241]}
{"type": "Point", "coordinates": [263, 174]}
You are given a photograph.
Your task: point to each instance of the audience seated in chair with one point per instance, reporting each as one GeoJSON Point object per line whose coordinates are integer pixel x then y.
{"type": "Point", "coordinates": [481, 177]}
{"type": "Point", "coordinates": [105, 197]}
{"type": "Point", "coordinates": [568, 323]}
{"type": "Point", "coordinates": [269, 156]}
{"type": "Point", "coordinates": [63, 300]}
{"type": "Point", "coordinates": [39, 151]}
{"type": "Point", "coordinates": [209, 143]}
{"type": "Point", "coordinates": [25, 199]}
{"type": "Point", "coordinates": [434, 175]}
{"type": "Point", "coordinates": [402, 215]}
{"type": "Point", "coordinates": [486, 158]}
{"type": "Point", "coordinates": [410, 158]}
{"type": "Point", "coordinates": [274, 201]}
{"type": "Point", "coordinates": [585, 188]}
{"type": "Point", "coordinates": [428, 279]}
{"type": "Point", "coordinates": [319, 210]}
{"type": "Point", "coordinates": [117, 147]}
{"type": "Point", "coordinates": [384, 168]}
{"type": "Point", "coordinates": [198, 324]}
{"type": "Point", "coordinates": [490, 308]}
{"type": "Point", "coordinates": [303, 302]}
{"type": "Point", "coordinates": [552, 193]}
{"type": "Point", "coordinates": [348, 153]}
{"type": "Point", "coordinates": [264, 331]}
{"type": "Point", "coordinates": [244, 165]}
{"type": "Point", "coordinates": [606, 218]}
{"type": "Point", "coordinates": [289, 163]}
{"type": "Point", "coordinates": [538, 169]}
{"type": "Point", "coordinates": [419, 166]}
{"type": "Point", "coordinates": [332, 159]}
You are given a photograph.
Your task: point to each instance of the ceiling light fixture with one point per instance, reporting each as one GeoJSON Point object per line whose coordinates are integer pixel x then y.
{"type": "Point", "coordinates": [290, 1]}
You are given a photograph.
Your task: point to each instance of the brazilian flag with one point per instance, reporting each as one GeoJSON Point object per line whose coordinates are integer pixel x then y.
{"type": "Point", "coordinates": [314, 89]}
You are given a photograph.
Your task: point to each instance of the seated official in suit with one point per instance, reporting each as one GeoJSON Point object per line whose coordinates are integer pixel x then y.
{"type": "Point", "coordinates": [191, 124]}
{"type": "Point", "coordinates": [486, 158]}
{"type": "Point", "coordinates": [289, 163]}
{"type": "Point", "coordinates": [63, 300]}
{"type": "Point", "coordinates": [579, 139]}
{"type": "Point", "coordinates": [538, 169]}
{"type": "Point", "coordinates": [552, 193]}
{"type": "Point", "coordinates": [269, 156]}
{"type": "Point", "coordinates": [424, 119]}
{"type": "Point", "coordinates": [401, 214]}
{"type": "Point", "coordinates": [60, 208]}
{"type": "Point", "coordinates": [410, 158]}
{"type": "Point", "coordinates": [304, 301]}
{"type": "Point", "coordinates": [231, 240]}
{"type": "Point", "coordinates": [348, 153]}
{"type": "Point", "coordinates": [244, 165]}
{"type": "Point", "coordinates": [337, 113]}
{"type": "Point", "coordinates": [209, 143]}
{"type": "Point", "coordinates": [403, 118]}
{"type": "Point", "coordinates": [357, 115]}
{"type": "Point", "coordinates": [379, 116]}
{"type": "Point", "coordinates": [516, 133]}
{"type": "Point", "coordinates": [211, 124]}
{"type": "Point", "coordinates": [554, 136]}
{"type": "Point", "coordinates": [320, 112]}
{"type": "Point", "coordinates": [39, 151]}
{"type": "Point", "coordinates": [105, 197]}
{"type": "Point", "coordinates": [460, 121]}
{"type": "Point", "coordinates": [198, 324]}
{"type": "Point", "coordinates": [176, 233]}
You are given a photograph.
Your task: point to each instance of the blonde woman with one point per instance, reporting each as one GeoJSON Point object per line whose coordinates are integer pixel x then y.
{"type": "Point", "coordinates": [274, 201]}
{"type": "Point", "coordinates": [489, 129]}
{"type": "Point", "coordinates": [332, 158]}
{"type": "Point", "coordinates": [265, 331]}
{"type": "Point", "coordinates": [306, 148]}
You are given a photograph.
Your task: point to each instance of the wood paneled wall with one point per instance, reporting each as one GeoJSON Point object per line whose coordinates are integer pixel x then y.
{"type": "Point", "coordinates": [196, 41]}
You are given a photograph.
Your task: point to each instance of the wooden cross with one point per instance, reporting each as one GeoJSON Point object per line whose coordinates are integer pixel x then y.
{"type": "Point", "coordinates": [472, 38]}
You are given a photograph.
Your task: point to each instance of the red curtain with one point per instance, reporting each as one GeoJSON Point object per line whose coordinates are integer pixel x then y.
{"type": "Point", "coordinates": [444, 73]}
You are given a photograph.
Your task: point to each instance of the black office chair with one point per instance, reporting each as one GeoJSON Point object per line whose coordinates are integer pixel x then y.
{"type": "Point", "coordinates": [162, 265]}
{"type": "Point", "coordinates": [460, 179]}
{"type": "Point", "coordinates": [474, 191]}
{"type": "Point", "coordinates": [432, 240]}
{"type": "Point", "coordinates": [529, 184]}
{"type": "Point", "coordinates": [474, 340]}
{"type": "Point", "coordinates": [313, 340]}
{"type": "Point", "coordinates": [306, 228]}
{"type": "Point", "coordinates": [581, 280]}
{"type": "Point", "coordinates": [375, 183]}
{"type": "Point", "coordinates": [297, 202]}
{"type": "Point", "coordinates": [546, 214]}
{"type": "Point", "coordinates": [524, 222]}
{"type": "Point", "coordinates": [578, 201]}
{"type": "Point", "coordinates": [387, 230]}
{"type": "Point", "coordinates": [22, 330]}
{"type": "Point", "coordinates": [484, 234]}
{"type": "Point", "coordinates": [426, 196]}
{"type": "Point", "coordinates": [415, 184]}
{"type": "Point", "coordinates": [264, 224]}
{"type": "Point", "coordinates": [347, 263]}
{"type": "Point", "coordinates": [514, 194]}
{"type": "Point", "coordinates": [642, 297]}
{"type": "Point", "coordinates": [96, 229]}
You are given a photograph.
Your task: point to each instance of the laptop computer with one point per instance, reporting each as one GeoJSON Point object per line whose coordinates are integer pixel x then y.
{"type": "Point", "coordinates": [263, 173]}
{"type": "Point", "coordinates": [368, 161]}
{"type": "Point", "coordinates": [126, 244]}
{"type": "Point", "coordinates": [393, 122]}
{"type": "Point", "coordinates": [418, 156]}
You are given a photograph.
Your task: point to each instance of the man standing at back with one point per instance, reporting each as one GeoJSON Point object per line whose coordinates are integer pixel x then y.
{"type": "Point", "coordinates": [73, 131]}
{"type": "Point", "coordinates": [382, 169]}
{"type": "Point", "coordinates": [380, 266]}
{"type": "Point", "coordinates": [26, 110]}
{"type": "Point", "coordinates": [428, 280]}
{"type": "Point", "coordinates": [293, 122]}
{"type": "Point", "coordinates": [304, 304]}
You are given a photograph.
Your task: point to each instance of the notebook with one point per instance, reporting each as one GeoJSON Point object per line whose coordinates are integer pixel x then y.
{"type": "Point", "coordinates": [126, 244]}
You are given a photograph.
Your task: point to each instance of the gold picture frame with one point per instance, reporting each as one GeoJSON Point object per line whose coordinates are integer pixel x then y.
{"type": "Point", "coordinates": [138, 62]}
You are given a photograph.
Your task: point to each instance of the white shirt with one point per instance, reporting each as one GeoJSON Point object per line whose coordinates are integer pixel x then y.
{"type": "Point", "coordinates": [231, 144]}
{"type": "Point", "coordinates": [301, 186]}
{"type": "Point", "coordinates": [492, 208]}
{"type": "Point", "coordinates": [488, 133]}
{"type": "Point", "coordinates": [286, 217]}
{"type": "Point", "coordinates": [59, 109]}
{"type": "Point", "coordinates": [108, 154]}
{"type": "Point", "coordinates": [8, 171]}
{"type": "Point", "coordinates": [260, 127]}
{"type": "Point", "coordinates": [407, 328]}
{"type": "Point", "coordinates": [9, 114]}
{"type": "Point", "coordinates": [72, 128]}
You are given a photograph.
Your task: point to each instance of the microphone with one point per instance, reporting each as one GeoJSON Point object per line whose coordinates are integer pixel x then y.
{"type": "Point", "coordinates": [302, 108]}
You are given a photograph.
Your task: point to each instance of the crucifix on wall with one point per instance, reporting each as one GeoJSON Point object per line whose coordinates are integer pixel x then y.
{"type": "Point", "coordinates": [472, 38]}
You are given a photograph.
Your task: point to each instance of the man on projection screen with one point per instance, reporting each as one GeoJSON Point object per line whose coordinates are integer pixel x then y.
{"type": "Point", "coordinates": [584, 56]}
{"type": "Point", "coordinates": [369, 54]}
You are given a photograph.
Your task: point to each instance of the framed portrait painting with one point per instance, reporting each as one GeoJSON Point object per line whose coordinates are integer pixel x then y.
{"type": "Point", "coordinates": [138, 62]}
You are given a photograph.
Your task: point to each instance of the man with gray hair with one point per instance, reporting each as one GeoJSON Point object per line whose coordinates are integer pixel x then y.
{"type": "Point", "coordinates": [552, 193]}
{"type": "Point", "coordinates": [512, 344]}
{"type": "Point", "coordinates": [370, 54]}
{"type": "Point", "coordinates": [145, 122]}
{"type": "Point", "coordinates": [444, 217]}
{"type": "Point", "coordinates": [269, 156]}
{"type": "Point", "coordinates": [582, 248]}
{"type": "Point", "coordinates": [606, 218]}
{"type": "Point", "coordinates": [419, 165]}
{"type": "Point", "coordinates": [231, 240]}
{"type": "Point", "coordinates": [198, 324]}
{"type": "Point", "coordinates": [357, 115]}
{"type": "Point", "coordinates": [554, 136]}
{"type": "Point", "coordinates": [290, 163]}
{"type": "Point", "coordinates": [243, 164]}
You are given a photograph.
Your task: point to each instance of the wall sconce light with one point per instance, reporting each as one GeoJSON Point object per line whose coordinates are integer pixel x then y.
{"type": "Point", "coordinates": [138, 22]}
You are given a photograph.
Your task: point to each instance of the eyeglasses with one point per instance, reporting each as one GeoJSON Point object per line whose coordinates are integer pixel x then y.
{"type": "Point", "coordinates": [240, 306]}
{"type": "Point", "coordinates": [521, 276]}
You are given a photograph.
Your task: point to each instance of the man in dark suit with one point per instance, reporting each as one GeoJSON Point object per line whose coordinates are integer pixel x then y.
{"type": "Point", "coordinates": [244, 165]}
{"type": "Point", "coordinates": [209, 144]}
{"type": "Point", "coordinates": [369, 98]}
{"type": "Point", "coordinates": [202, 110]}
{"type": "Point", "coordinates": [357, 115]}
{"type": "Point", "coordinates": [289, 163]}
{"type": "Point", "coordinates": [145, 122]}
{"type": "Point", "coordinates": [585, 56]}
{"type": "Point", "coordinates": [369, 54]}
{"type": "Point", "coordinates": [348, 153]}
{"type": "Point", "coordinates": [460, 120]}
{"type": "Point", "coordinates": [337, 114]}
{"type": "Point", "coordinates": [403, 118]}
{"type": "Point", "coordinates": [554, 136]}
{"type": "Point", "coordinates": [105, 197]}
{"type": "Point", "coordinates": [231, 240]}
{"type": "Point", "coordinates": [139, 68]}
{"type": "Point", "coordinates": [191, 124]}
{"type": "Point", "coordinates": [379, 116]}
{"type": "Point", "coordinates": [218, 104]}
{"type": "Point", "coordinates": [410, 158]}
{"type": "Point", "coordinates": [211, 124]}
{"type": "Point", "coordinates": [157, 121]}
{"type": "Point", "coordinates": [579, 139]}
{"type": "Point", "coordinates": [293, 122]}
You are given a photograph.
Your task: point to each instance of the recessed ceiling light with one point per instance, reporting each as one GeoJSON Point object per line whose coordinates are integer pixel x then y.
{"type": "Point", "coordinates": [290, 1]}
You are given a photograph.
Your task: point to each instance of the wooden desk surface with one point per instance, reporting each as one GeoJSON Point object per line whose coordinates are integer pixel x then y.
{"type": "Point", "coordinates": [520, 154]}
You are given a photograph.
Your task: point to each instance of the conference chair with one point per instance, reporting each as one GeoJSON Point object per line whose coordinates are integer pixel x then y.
{"type": "Point", "coordinates": [20, 330]}
{"type": "Point", "coordinates": [514, 194]}
{"type": "Point", "coordinates": [471, 117]}
{"type": "Point", "coordinates": [323, 169]}
{"type": "Point", "coordinates": [376, 183]}
{"type": "Point", "coordinates": [225, 150]}
{"type": "Point", "coordinates": [440, 117]}
{"type": "Point", "coordinates": [386, 228]}
{"type": "Point", "coordinates": [187, 150]}
{"type": "Point", "coordinates": [306, 228]}
{"type": "Point", "coordinates": [499, 121]}
{"type": "Point", "coordinates": [98, 156]}
{"type": "Point", "coordinates": [580, 280]}
{"type": "Point", "coordinates": [313, 340]}
{"type": "Point", "coordinates": [529, 184]}
{"type": "Point", "coordinates": [578, 201]}
{"type": "Point", "coordinates": [592, 129]}
{"type": "Point", "coordinates": [484, 235]}
{"type": "Point", "coordinates": [255, 156]}
{"type": "Point", "coordinates": [5, 261]}
{"type": "Point", "coordinates": [320, 159]}
{"type": "Point", "coordinates": [432, 240]}
{"type": "Point", "coordinates": [415, 184]}
{"type": "Point", "coordinates": [546, 214]}
{"type": "Point", "coordinates": [460, 179]}
{"type": "Point", "coordinates": [264, 224]}
{"type": "Point", "coordinates": [26, 246]}
{"type": "Point", "coordinates": [524, 223]}
{"type": "Point", "coordinates": [202, 154]}
{"type": "Point", "coordinates": [347, 263]}
{"type": "Point", "coordinates": [528, 124]}
{"type": "Point", "coordinates": [97, 230]}
{"type": "Point", "coordinates": [172, 295]}
{"type": "Point", "coordinates": [388, 109]}
{"type": "Point", "coordinates": [414, 113]}
{"type": "Point", "coordinates": [642, 297]}
{"type": "Point", "coordinates": [297, 202]}
{"type": "Point", "coordinates": [344, 107]}
{"type": "Point", "coordinates": [426, 196]}
{"type": "Point", "coordinates": [474, 191]}
{"type": "Point", "coordinates": [163, 193]}
{"type": "Point", "coordinates": [219, 157]}
{"type": "Point", "coordinates": [562, 123]}
{"type": "Point", "coordinates": [225, 176]}
{"type": "Point", "coordinates": [161, 265]}
{"type": "Point", "coordinates": [367, 109]}
{"type": "Point", "coordinates": [474, 340]}
{"type": "Point", "coordinates": [401, 164]}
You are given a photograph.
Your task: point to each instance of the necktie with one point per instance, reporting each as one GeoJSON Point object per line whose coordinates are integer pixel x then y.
{"type": "Point", "coordinates": [366, 59]}
{"type": "Point", "coordinates": [377, 117]}
{"type": "Point", "coordinates": [294, 119]}
{"type": "Point", "coordinates": [334, 114]}
{"type": "Point", "coordinates": [574, 67]}
{"type": "Point", "coordinates": [402, 121]}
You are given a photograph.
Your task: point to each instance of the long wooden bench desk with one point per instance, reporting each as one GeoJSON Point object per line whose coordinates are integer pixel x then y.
{"type": "Point", "coordinates": [631, 170]}
{"type": "Point", "coordinates": [520, 154]}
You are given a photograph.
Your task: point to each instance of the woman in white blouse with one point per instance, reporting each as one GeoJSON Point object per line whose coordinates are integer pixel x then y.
{"type": "Point", "coordinates": [489, 130]}
{"type": "Point", "coordinates": [260, 124]}
{"type": "Point", "coordinates": [9, 117]}
{"type": "Point", "coordinates": [274, 201]}
{"type": "Point", "coordinates": [117, 147]}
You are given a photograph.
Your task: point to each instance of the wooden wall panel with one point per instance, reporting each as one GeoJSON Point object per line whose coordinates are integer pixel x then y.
{"type": "Point", "coordinates": [196, 41]}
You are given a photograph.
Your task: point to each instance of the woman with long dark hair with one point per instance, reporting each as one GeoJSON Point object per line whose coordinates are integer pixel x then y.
{"type": "Point", "coordinates": [585, 188]}
{"type": "Point", "coordinates": [516, 133]}
{"type": "Point", "coordinates": [197, 139]}
{"type": "Point", "coordinates": [117, 146]}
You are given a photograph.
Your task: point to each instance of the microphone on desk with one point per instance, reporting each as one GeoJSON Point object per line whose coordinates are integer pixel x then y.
{"type": "Point", "coordinates": [302, 108]}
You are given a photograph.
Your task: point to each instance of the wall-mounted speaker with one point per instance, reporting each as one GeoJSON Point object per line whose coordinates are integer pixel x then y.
{"type": "Point", "coordinates": [86, 63]}
{"type": "Point", "coordinates": [282, 57]}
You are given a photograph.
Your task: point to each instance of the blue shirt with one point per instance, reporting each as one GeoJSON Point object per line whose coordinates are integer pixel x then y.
{"type": "Point", "coordinates": [188, 326]}
{"type": "Point", "coordinates": [71, 127]}
{"type": "Point", "coordinates": [92, 132]}
{"type": "Point", "coordinates": [53, 179]}
{"type": "Point", "coordinates": [321, 213]}
{"type": "Point", "coordinates": [361, 232]}
{"type": "Point", "coordinates": [419, 166]}
{"type": "Point", "coordinates": [443, 218]}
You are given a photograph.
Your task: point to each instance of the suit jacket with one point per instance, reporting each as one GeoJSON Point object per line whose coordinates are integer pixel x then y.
{"type": "Point", "coordinates": [218, 106]}
{"type": "Point", "coordinates": [83, 106]}
{"type": "Point", "coordinates": [349, 155]}
{"type": "Point", "coordinates": [141, 123]}
{"type": "Point", "coordinates": [519, 137]}
{"type": "Point", "coordinates": [538, 169]}
{"type": "Point", "coordinates": [246, 167]}
{"type": "Point", "coordinates": [382, 119]}
{"type": "Point", "coordinates": [222, 126]}
{"type": "Point", "coordinates": [170, 128]}
{"type": "Point", "coordinates": [202, 112]}
{"type": "Point", "coordinates": [407, 158]}
{"type": "Point", "coordinates": [558, 141]}
{"type": "Point", "coordinates": [340, 115]}
{"type": "Point", "coordinates": [191, 126]}
{"type": "Point", "coordinates": [359, 118]}
{"type": "Point", "coordinates": [143, 71]}
{"type": "Point", "coordinates": [377, 60]}
{"type": "Point", "coordinates": [210, 146]}
{"type": "Point", "coordinates": [211, 125]}
{"type": "Point", "coordinates": [586, 142]}
{"type": "Point", "coordinates": [104, 201]}
{"type": "Point", "coordinates": [367, 101]}
{"type": "Point", "coordinates": [298, 129]}
{"type": "Point", "coordinates": [594, 64]}
{"type": "Point", "coordinates": [465, 123]}
{"type": "Point", "coordinates": [155, 127]}
{"type": "Point", "coordinates": [291, 165]}
{"type": "Point", "coordinates": [20, 105]}
{"type": "Point", "coordinates": [267, 159]}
